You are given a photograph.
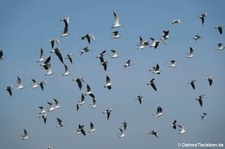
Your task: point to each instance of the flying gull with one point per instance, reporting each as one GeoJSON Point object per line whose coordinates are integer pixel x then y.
{"type": "Point", "coordinates": [20, 84]}
{"type": "Point", "coordinates": [154, 133]}
{"type": "Point", "coordinates": [152, 83]}
{"type": "Point", "coordinates": [114, 54]}
{"type": "Point", "coordinates": [116, 22]}
{"type": "Point", "coordinates": [25, 135]}
{"type": "Point", "coordinates": [108, 83]}
{"type": "Point", "coordinates": [139, 98]}
{"type": "Point", "coordinates": [89, 92]}
{"type": "Point", "coordinates": [199, 98]}
{"type": "Point", "coordinates": [108, 112]}
{"type": "Point", "coordinates": [192, 83]}
{"type": "Point", "coordinates": [79, 81]}
{"type": "Point", "coordinates": [219, 28]}
{"type": "Point", "coordinates": [202, 17]}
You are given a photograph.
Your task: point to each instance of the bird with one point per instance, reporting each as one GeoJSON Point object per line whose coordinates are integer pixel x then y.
{"type": "Point", "coordinates": [181, 130]}
{"type": "Point", "coordinates": [127, 64]}
{"type": "Point", "coordinates": [20, 84]}
{"type": "Point", "coordinates": [9, 89]}
{"type": "Point", "coordinates": [114, 54]}
{"type": "Point", "coordinates": [174, 124]}
{"type": "Point", "coordinates": [192, 83]}
{"type": "Point", "coordinates": [210, 80]}
{"type": "Point", "coordinates": [92, 127]}
{"type": "Point", "coordinates": [66, 72]}
{"type": "Point", "coordinates": [199, 98]}
{"type": "Point", "coordinates": [172, 64]}
{"type": "Point", "coordinates": [152, 83]}
{"type": "Point", "coordinates": [44, 117]}
{"type": "Point", "coordinates": [220, 46]}
{"type": "Point", "coordinates": [115, 35]}
{"type": "Point", "coordinates": [108, 84]}
{"type": "Point", "coordinates": [93, 105]}
{"type": "Point", "coordinates": [53, 105]}
{"type": "Point", "coordinates": [48, 68]}
{"type": "Point", "coordinates": [89, 92]}
{"type": "Point", "coordinates": [47, 61]}
{"type": "Point", "coordinates": [87, 37]}
{"type": "Point", "coordinates": [196, 37]}
{"type": "Point", "coordinates": [116, 22]}
{"type": "Point", "coordinates": [165, 35]}
{"type": "Point", "coordinates": [202, 17]}
{"type": "Point", "coordinates": [79, 81]}
{"type": "Point", "coordinates": [219, 28]}
{"type": "Point", "coordinates": [103, 63]}
{"type": "Point", "coordinates": [65, 31]}
{"type": "Point", "coordinates": [159, 112]}
{"type": "Point", "coordinates": [60, 124]}
{"type": "Point", "coordinates": [155, 43]}
{"type": "Point", "coordinates": [25, 135]}
{"type": "Point", "coordinates": [139, 98]}
{"type": "Point", "coordinates": [155, 69]}
{"type": "Point", "coordinates": [82, 100]}
{"type": "Point", "coordinates": [81, 130]}
{"type": "Point", "coordinates": [41, 58]}
{"type": "Point", "coordinates": [1, 55]}
{"type": "Point", "coordinates": [34, 84]}
{"type": "Point", "coordinates": [108, 112]}
{"type": "Point", "coordinates": [176, 21]}
{"type": "Point", "coordinates": [190, 54]}
{"type": "Point", "coordinates": [69, 57]}
{"type": "Point", "coordinates": [142, 43]}
{"type": "Point", "coordinates": [101, 54]}
{"type": "Point", "coordinates": [53, 41]}
{"type": "Point", "coordinates": [77, 106]}
{"type": "Point", "coordinates": [124, 125]}
{"type": "Point", "coordinates": [154, 133]}
{"type": "Point", "coordinates": [122, 134]}
{"type": "Point", "coordinates": [84, 50]}
{"type": "Point", "coordinates": [42, 110]}
{"type": "Point", "coordinates": [58, 54]}
{"type": "Point", "coordinates": [203, 115]}
{"type": "Point", "coordinates": [42, 83]}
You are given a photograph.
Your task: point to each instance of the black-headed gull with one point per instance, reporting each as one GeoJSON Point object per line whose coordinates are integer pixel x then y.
{"type": "Point", "coordinates": [108, 83]}
{"type": "Point", "coordinates": [60, 124]}
{"type": "Point", "coordinates": [210, 80]}
{"type": "Point", "coordinates": [203, 115]}
{"type": "Point", "coordinates": [41, 57]}
{"type": "Point", "coordinates": [25, 135]}
{"type": "Point", "coordinates": [108, 112]}
{"type": "Point", "coordinates": [154, 133]}
{"type": "Point", "coordinates": [20, 84]}
{"type": "Point", "coordinates": [116, 22]}
{"type": "Point", "coordinates": [219, 28]}
{"type": "Point", "coordinates": [9, 89]}
{"type": "Point", "coordinates": [139, 98]}
{"type": "Point", "coordinates": [1, 55]}
{"type": "Point", "coordinates": [92, 127]}
{"type": "Point", "coordinates": [199, 98]}
{"type": "Point", "coordinates": [192, 83]}
{"type": "Point", "coordinates": [176, 21]}
{"type": "Point", "coordinates": [89, 92]}
{"type": "Point", "coordinates": [114, 54]}
{"type": "Point", "coordinates": [79, 81]}
{"type": "Point", "coordinates": [202, 17]}
{"type": "Point", "coordinates": [88, 37]}
{"type": "Point", "coordinates": [152, 83]}
{"type": "Point", "coordinates": [122, 134]}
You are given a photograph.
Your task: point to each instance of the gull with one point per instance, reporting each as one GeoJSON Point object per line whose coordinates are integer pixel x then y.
{"type": "Point", "coordinates": [53, 41]}
{"type": "Point", "coordinates": [190, 54]}
{"type": "Point", "coordinates": [219, 28]}
{"type": "Point", "coordinates": [115, 35]}
{"type": "Point", "coordinates": [89, 92]}
{"type": "Point", "coordinates": [192, 83]}
{"type": "Point", "coordinates": [155, 133]}
{"type": "Point", "coordinates": [66, 21]}
{"type": "Point", "coordinates": [20, 84]}
{"type": "Point", "coordinates": [108, 112]}
{"type": "Point", "coordinates": [101, 54]}
{"type": "Point", "coordinates": [124, 125]}
{"type": "Point", "coordinates": [174, 124]}
{"type": "Point", "coordinates": [9, 89]}
{"type": "Point", "coordinates": [108, 83]}
{"type": "Point", "coordinates": [1, 55]}
{"type": "Point", "coordinates": [44, 117]}
{"type": "Point", "coordinates": [139, 98]}
{"type": "Point", "coordinates": [66, 72]}
{"type": "Point", "coordinates": [114, 54]}
{"type": "Point", "coordinates": [155, 43]}
{"type": "Point", "coordinates": [84, 50]}
{"type": "Point", "coordinates": [48, 68]}
{"type": "Point", "coordinates": [79, 81]}
{"type": "Point", "coordinates": [220, 46]}
{"type": "Point", "coordinates": [65, 32]}
{"type": "Point", "coordinates": [92, 127]}
{"type": "Point", "coordinates": [155, 69]}
{"type": "Point", "coordinates": [199, 98]}
{"type": "Point", "coordinates": [53, 105]}
{"type": "Point", "coordinates": [34, 84]}
{"type": "Point", "coordinates": [82, 100]}
{"type": "Point", "coordinates": [210, 80]}
{"type": "Point", "coordinates": [159, 112]}
{"type": "Point", "coordinates": [172, 64]}
{"type": "Point", "coordinates": [69, 57]}
{"type": "Point", "coordinates": [93, 105]}
{"type": "Point", "coordinates": [25, 135]}
{"type": "Point", "coordinates": [116, 22]}
{"type": "Point", "coordinates": [196, 37]}
{"type": "Point", "coordinates": [80, 130]}
{"type": "Point", "coordinates": [122, 134]}
{"type": "Point", "coordinates": [60, 124]}
{"type": "Point", "coordinates": [202, 17]}
{"type": "Point", "coordinates": [41, 58]}
{"type": "Point", "coordinates": [165, 35]}
{"type": "Point", "coordinates": [77, 106]}
{"type": "Point", "coordinates": [127, 64]}
{"type": "Point", "coordinates": [58, 54]}
{"type": "Point", "coordinates": [203, 115]}
{"type": "Point", "coordinates": [176, 21]}
{"type": "Point", "coordinates": [42, 83]}
{"type": "Point", "coordinates": [88, 37]}
{"type": "Point", "coordinates": [181, 130]}
{"type": "Point", "coordinates": [42, 110]}
{"type": "Point", "coordinates": [152, 83]}
{"type": "Point", "coordinates": [142, 43]}
{"type": "Point", "coordinates": [103, 63]}
{"type": "Point", "coordinates": [46, 62]}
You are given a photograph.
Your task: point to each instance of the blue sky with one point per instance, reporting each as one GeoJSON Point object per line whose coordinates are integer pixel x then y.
{"type": "Point", "coordinates": [27, 26]}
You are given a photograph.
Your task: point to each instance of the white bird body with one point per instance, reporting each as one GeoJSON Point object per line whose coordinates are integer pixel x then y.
{"type": "Point", "coordinates": [116, 22]}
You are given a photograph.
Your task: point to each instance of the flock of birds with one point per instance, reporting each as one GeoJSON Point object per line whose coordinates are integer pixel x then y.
{"type": "Point", "coordinates": [53, 105]}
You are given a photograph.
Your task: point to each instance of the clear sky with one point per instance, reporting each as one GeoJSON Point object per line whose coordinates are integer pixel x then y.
{"type": "Point", "coordinates": [26, 26]}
